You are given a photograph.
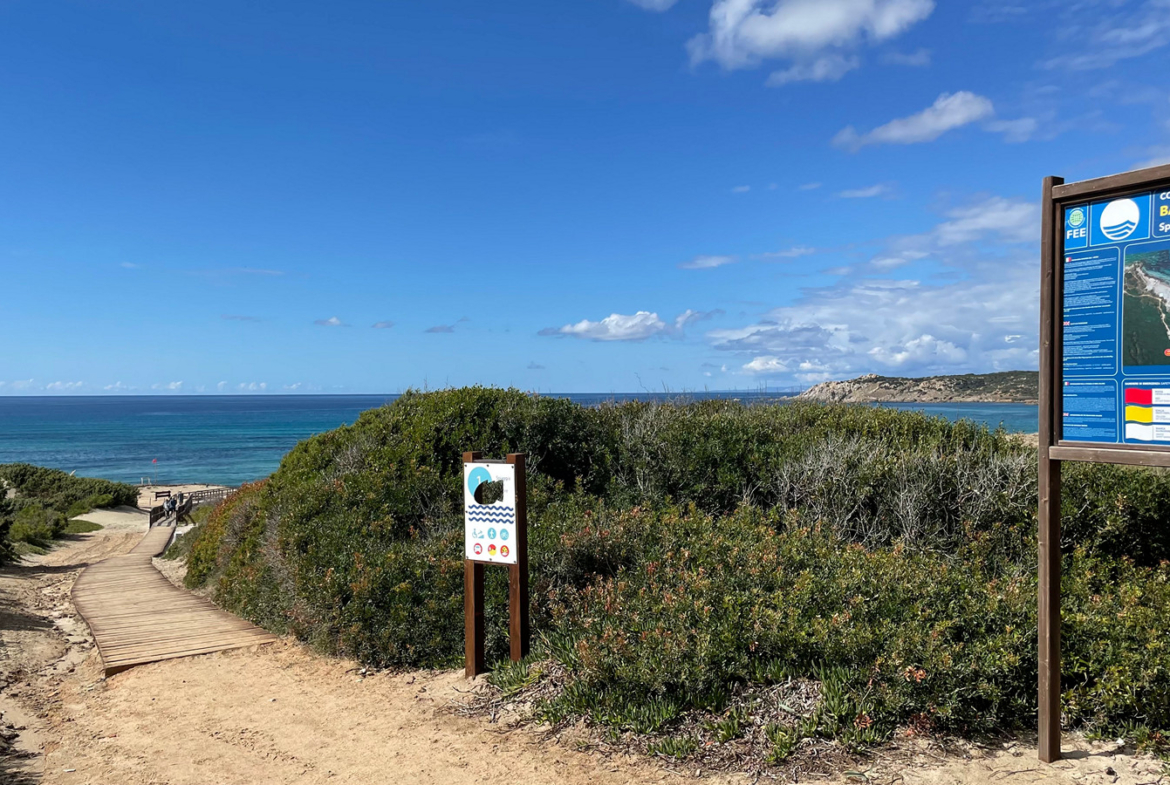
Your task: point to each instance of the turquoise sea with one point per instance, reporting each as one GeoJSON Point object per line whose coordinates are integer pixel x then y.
{"type": "Point", "coordinates": [233, 439]}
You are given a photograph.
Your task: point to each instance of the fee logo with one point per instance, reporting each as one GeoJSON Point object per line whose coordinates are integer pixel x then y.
{"type": "Point", "coordinates": [1121, 219]}
{"type": "Point", "coordinates": [1076, 227]}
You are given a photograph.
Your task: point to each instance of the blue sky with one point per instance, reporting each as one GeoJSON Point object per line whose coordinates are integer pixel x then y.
{"type": "Point", "coordinates": [601, 195]}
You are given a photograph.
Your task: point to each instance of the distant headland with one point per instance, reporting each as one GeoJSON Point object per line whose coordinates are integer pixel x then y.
{"type": "Point", "coordinates": [1003, 387]}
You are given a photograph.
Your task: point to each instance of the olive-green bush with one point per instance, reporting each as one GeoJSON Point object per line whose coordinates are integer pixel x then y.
{"type": "Point", "coordinates": [44, 501]}
{"type": "Point", "coordinates": [680, 552]}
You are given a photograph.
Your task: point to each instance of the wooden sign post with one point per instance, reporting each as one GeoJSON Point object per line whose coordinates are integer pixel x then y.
{"type": "Point", "coordinates": [1104, 366]}
{"type": "Point", "coordinates": [495, 532]}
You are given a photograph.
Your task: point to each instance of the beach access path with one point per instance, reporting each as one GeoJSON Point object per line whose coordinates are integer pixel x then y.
{"type": "Point", "coordinates": [138, 616]}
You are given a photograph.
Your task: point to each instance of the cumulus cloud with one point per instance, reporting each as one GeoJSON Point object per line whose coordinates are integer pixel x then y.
{"type": "Point", "coordinates": [809, 187]}
{"type": "Point", "coordinates": [706, 262]}
{"type": "Point", "coordinates": [829, 68]}
{"type": "Point", "coordinates": [440, 328]}
{"type": "Point", "coordinates": [252, 386]}
{"type": "Point", "coordinates": [64, 386]}
{"type": "Point", "coordinates": [332, 321]}
{"type": "Point", "coordinates": [766, 365]}
{"type": "Point", "coordinates": [948, 112]}
{"type": "Point", "coordinates": [634, 327]}
{"type": "Point", "coordinates": [386, 325]}
{"type": "Point", "coordinates": [615, 327]}
{"type": "Point", "coordinates": [168, 386]}
{"type": "Point", "coordinates": [973, 309]}
{"type": "Point", "coordinates": [743, 33]}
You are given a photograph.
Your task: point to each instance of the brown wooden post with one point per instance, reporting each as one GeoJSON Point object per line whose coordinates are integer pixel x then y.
{"type": "Point", "coordinates": [1048, 514]}
{"type": "Point", "coordinates": [518, 621]}
{"type": "Point", "coordinates": [473, 621]}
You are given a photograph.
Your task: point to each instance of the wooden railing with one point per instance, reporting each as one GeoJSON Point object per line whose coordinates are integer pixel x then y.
{"type": "Point", "coordinates": [210, 495]}
{"type": "Point", "coordinates": [191, 499]}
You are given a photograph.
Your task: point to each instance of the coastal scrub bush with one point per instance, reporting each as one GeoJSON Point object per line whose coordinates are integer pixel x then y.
{"type": "Point", "coordinates": [36, 525]}
{"type": "Point", "coordinates": [685, 552]}
{"type": "Point", "coordinates": [43, 499]}
{"type": "Point", "coordinates": [60, 490]}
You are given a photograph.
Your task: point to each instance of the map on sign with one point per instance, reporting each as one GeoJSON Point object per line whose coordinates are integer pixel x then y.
{"type": "Point", "coordinates": [1116, 322]}
{"type": "Point", "coordinates": [489, 512]}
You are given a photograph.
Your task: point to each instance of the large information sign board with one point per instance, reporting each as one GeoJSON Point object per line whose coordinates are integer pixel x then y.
{"type": "Point", "coordinates": [1115, 326]}
{"type": "Point", "coordinates": [1104, 362]}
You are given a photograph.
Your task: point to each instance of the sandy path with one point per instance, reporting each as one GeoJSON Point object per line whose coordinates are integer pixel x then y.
{"type": "Point", "coordinates": [281, 714]}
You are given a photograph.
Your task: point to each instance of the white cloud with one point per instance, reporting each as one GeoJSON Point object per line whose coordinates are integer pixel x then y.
{"type": "Point", "coordinates": [973, 309]}
{"type": "Point", "coordinates": [766, 365]}
{"type": "Point", "coordinates": [221, 386]}
{"type": "Point", "coordinates": [615, 327]}
{"type": "Point", "coordinates": [949, 111]}
{"type": "Point", "coordinates": [117, 387]}
{"type": "Point", "coordinates": [741, 189]}
{"type": "Point", "coordinates": [1015, 131]}
{"type": "Point", "coordinates": [690, 316]}
{"type": "Point", "coordinates": [63, 386]}
{"type": "Point", "coordinates": [880, 189]}
{"type": "Point", "coordinates": [809, 187]}
{"type": "Point", "coordinates": [706, 262]}
{"type": "Point", "coordinates": [829, 68]}
{"type": "Point", "coordinates": [918, 59]}
{"type": "Point", "coordinates": [654, 5]}
{"type": "Point", "coordinates": [743, 33]}
{"type": "Point", "coordinates": [1013, 220]}
{"type": "Point", "coordinates": [130, 265]}
{"type": "Point", "coordinates": [386, 325]}
{"type": "Point", "coordinates": [794, 252]}
{"type": "Point", "coordinates": [1159, 156]}
{"type": "Point", "coordinates": [169, 386]}
{"type": "Point", "coordinates": [1117, 35]}
{"type": "Point", "coordinates": [252, 386]}
{"type": "Point", "coordinates": [635, 327]}
{"type": "Point", "coordinates": [332, 321]}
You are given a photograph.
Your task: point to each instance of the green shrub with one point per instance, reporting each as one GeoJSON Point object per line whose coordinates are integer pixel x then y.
{"type": "Point", "coordinates": [682, 552]}
{"type": "Point", "coordinates": [37, 525]}
{"type": "Point", "coordinates": [45, 498]}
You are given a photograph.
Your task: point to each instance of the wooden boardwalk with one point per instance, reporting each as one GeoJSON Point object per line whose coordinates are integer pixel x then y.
{"type": "Point", "coordinates": [138, 616]}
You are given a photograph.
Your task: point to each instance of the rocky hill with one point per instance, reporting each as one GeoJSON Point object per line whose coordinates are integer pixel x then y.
{"type": "Point", "coordinates": [1004, 387]}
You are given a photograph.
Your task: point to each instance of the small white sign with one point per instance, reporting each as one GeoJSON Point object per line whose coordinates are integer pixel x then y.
{"type": "Point", "coordinates": [489, 530]}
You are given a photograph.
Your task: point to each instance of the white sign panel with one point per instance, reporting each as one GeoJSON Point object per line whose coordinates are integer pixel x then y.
{"type": "Point", "coordinates": [489, 530]}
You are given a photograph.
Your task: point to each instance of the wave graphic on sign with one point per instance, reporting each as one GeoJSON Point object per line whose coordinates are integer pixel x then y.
{"type": "Point", "coordinates": [1119, 231]}
{"type": "Point", "coordinates": [484, 513]}
{"type": "Point", "coordinates": [1120, 218]}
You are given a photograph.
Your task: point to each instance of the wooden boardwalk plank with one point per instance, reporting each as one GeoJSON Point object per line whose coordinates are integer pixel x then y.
{"type": "Point", "coordinates": [138, 616]}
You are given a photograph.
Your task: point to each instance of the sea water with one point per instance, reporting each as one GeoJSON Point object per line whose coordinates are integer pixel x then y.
{"type": "Point", "coordinates": [228, 440]}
